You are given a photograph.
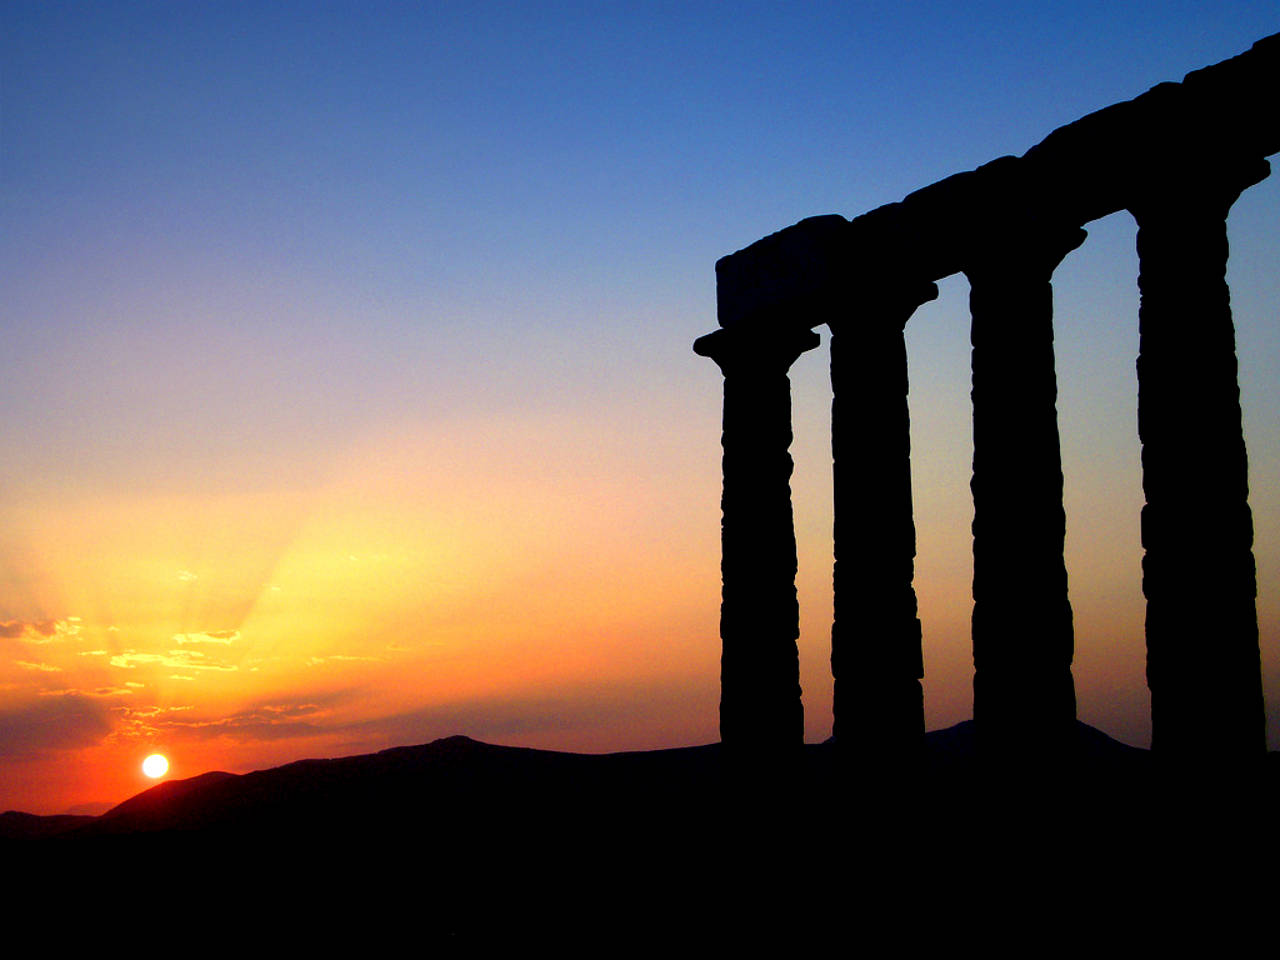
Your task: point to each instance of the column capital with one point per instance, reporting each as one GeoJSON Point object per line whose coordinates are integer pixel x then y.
{"type": "Point", "coordinates": [756, 350]}
{"type": "Point", "coordinates": [1191, 186]}
{"type": "Point", "coordinates": [889, 303]}
{"type": "Point", "coordinates": [1019, 244]}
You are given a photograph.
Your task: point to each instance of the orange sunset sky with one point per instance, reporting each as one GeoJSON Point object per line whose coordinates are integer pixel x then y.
{"type": "Point", "coordinates": [347, 384]}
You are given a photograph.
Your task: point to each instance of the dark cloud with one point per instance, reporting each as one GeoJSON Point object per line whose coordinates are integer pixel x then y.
{"type": "Point", "coordinates": [112, 691]}
{"type": "Point", "coordinates": [52, 723]}
{"type": "Point", "coordinates": [245, 726]}
{"type": "Point", "coordinates": [14, 629]}
{"type": "Point", "coordinates": [275, 720]}
{"type": "Point", "coordinates": [40, 631]}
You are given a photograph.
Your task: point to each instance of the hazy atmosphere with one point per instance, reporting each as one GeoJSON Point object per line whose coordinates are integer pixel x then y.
{"type": "Point", "coordinates": [346, 373]}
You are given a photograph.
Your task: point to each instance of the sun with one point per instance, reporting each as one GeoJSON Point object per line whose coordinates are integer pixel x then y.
{"type": "Point", "coordinates": [155, 766]}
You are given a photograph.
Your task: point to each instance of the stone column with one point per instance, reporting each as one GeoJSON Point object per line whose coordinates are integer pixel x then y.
{"type": "Point", "coordinates": [1198, 572]}
{"type": "Point", "coordinates": [760, 707]}
{"type": "Point", "coordinates": [875, 638]}
{"type": "Point", "coordinates": [1023, 639]}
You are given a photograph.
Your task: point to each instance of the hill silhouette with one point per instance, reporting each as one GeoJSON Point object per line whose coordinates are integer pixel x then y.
{"type": "Point", "coordinates": [517, 792]}
{"type": "Point", "coordinates": [484, 843]}
{"type": "Point", "coordinates": [461, 777]}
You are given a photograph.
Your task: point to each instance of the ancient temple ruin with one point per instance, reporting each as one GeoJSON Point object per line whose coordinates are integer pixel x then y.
{"type": "Point", "coordinates": [1176, 158]}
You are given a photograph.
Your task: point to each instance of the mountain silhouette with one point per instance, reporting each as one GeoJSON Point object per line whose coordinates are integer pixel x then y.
{"type": "Point", "coordinates": [474, 842]}
{"type": "Point", "coordinates": [465, 778]}
{"type": "Point", "coordinates": [15, 825]}
{"type": "Point", "coordinates": [503, 790]}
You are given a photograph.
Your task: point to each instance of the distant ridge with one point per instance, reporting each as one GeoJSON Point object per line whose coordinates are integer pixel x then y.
{"type": "Point", "coordinates": [457, 777]}
{"type": "Point", "coordinates": [464, 841]}
{"type": "Point", "coordinates": [498, 791]}
{"type": "Point", "coordinates": [15, 825]}
{"type": "Point", "coordinates": [462, 777]}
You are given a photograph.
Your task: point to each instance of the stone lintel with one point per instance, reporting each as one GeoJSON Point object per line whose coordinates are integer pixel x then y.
{"type": "Point", "coordinates": [1080, 172]}
{"type": "Point", "coordinates": [793, 272]}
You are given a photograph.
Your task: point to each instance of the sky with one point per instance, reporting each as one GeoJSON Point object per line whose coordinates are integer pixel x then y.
{"type": "Point", "coordinates": [346, 373]}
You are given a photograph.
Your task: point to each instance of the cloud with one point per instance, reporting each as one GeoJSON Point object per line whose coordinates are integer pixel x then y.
{"type": "Point", "coordinates": [224, 637]}
{"type": "Point", "coordinates": [264, 722]}
{"type": "Point", "coordinates": [286, 719]}
{"type": "Point", "coordinates": [292, 710]}
{"type": "Point", "coordinates": [182, 659]}
{"type": "Point", "coordinates": [315, 661]}
{"type": "Point", "coordinates": [154, 710]}
{"type": "Point", "coordinates": [40, 631]}
{"type": "Point", "coordinates": [95, 692]}
{"type": "Point", "coordinates": [43, 667]}
{"type": "Point", "coordinates": [67, 722]}
{"type": "Point", "coordinates": [186, 576]}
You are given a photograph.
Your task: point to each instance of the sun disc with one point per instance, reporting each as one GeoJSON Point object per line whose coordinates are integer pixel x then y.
{"type": "Point", "coordinates": [155, 766]}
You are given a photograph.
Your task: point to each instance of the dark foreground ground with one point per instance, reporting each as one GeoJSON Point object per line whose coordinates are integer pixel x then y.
{"type": "Point", "coordinates": [460, 842]}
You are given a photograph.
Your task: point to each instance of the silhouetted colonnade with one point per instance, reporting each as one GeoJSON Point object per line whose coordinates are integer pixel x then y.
{"type": "Point", "coordinates": [1176, 158]}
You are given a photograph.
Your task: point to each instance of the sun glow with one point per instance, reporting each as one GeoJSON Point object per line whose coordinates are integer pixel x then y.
{"type": "Point", "coordinates": [155, 766]}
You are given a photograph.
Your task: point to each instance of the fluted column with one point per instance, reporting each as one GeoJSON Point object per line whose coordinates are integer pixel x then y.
{"type": "Point", "coordinates": [1023, 639]}
{"type": "Point", "coordinates": [1198, 572]}
{"type": "Point", "coordinates": [875, 637]}
{"type": "Point", "coordinates": [760, 707]}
